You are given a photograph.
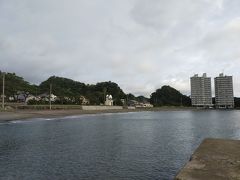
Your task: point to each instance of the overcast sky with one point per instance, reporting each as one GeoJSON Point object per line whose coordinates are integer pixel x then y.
{"type": "Point", "coordinates": [139, 44]}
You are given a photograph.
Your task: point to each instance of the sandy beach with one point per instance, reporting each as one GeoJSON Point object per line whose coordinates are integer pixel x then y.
{"type": "Point", "coordinates": [27, 114]}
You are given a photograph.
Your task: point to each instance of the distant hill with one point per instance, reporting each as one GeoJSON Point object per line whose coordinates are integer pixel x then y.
{"type": "Point", "coordinates": [140, 99]}
{"type": "Point", "coordinates": [63, 87]}
{"type": "Point", "coordinates": [69, 91]}
{"type": "Point", "coordinates": [168, 96]}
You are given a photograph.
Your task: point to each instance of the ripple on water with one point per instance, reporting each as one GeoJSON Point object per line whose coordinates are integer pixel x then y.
{"type": "Point", "coordinates": [142, 145]}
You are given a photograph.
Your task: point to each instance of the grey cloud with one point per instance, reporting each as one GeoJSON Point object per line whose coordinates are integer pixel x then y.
{"type": "Point", "coordinates": [140, 44]}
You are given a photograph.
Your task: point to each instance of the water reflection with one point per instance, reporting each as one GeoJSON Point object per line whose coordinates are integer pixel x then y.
{"type": "Point", "coordinates": [144, 145]}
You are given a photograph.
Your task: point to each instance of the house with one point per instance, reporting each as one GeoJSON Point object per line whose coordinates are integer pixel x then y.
{"type": "Point", "coordinates": [133, 103]}
{"type": "Point", "coordinates": [84, 101]}
{"type": "Point", "coordinates": [32, 97]}
{"type": "Point", "coordinates": [147, 105]}
{"type": "Point", "coordinates": [67, 99]}
{"type": "Point", "coordinates": [45, 97]}
{"type": "Point", "coordinates": [53, 98]}
{"type": "Point", "coordinates": [139, 104]}
{"type": "Point", "coordinates": [123, 101]}
{"type": "Point", "coordinates": [21, 96]}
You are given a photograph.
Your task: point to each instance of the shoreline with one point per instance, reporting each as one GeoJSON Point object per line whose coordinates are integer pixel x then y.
{"type": "Point", "coordinates": [25, 114]}
{"type": "Point", "coordinates": [6, 116]}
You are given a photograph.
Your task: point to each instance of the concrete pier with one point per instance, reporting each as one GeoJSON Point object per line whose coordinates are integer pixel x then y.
{"type": "Point", "coordinates": [214, 159]}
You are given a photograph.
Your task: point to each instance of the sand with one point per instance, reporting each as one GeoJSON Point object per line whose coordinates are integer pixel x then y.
{"type": "Point", "coordinates": [27, 114]}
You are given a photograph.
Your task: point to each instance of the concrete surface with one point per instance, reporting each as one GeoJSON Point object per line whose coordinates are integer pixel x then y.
{"type": "Point", "coordinates": [100, 108]}
{"type": "Point", "coordinates": [214, 159]}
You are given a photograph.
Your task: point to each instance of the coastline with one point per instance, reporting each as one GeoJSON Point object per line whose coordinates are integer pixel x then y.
{"type": "Point", "coordinates": [6, 116]}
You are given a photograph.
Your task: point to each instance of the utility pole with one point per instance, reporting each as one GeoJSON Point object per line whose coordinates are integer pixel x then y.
{"type": "Point", "coordinates": [3, 91]}
{"type": "Point", "coordinates": [50, 92]}
{"type": "Point", "coordinates": [181, 102]}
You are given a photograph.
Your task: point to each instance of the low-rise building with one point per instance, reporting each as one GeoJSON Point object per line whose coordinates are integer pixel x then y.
{"type": "Point", "coordinates": [45, 97]}
{"type": "Point", "coordinates": [84, 100]}
{"type": "Point", "coordinates": [137, 104]}
{"type": "Point", "coordinates": [31, 97]}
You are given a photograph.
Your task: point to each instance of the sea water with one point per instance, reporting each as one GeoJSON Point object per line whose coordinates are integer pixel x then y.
{"type": "Point", "coordinates": [141, 145]}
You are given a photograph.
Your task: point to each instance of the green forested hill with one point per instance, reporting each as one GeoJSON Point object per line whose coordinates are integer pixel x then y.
{"type": "Point", "coordinates": [69, 91]}
{"type": "Point", "coordinates": [14, 84]}
{"type": "Point", "coordinates": [63, 87]}
{"type": "Point", "coordinates": [168, 96]}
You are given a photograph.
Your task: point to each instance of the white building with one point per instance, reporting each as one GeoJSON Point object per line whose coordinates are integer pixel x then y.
{"type": "Point", "coordinates": [109, 100]}
{"type": "Point", "coordinates": [224, 91]}
{"type": "Point", "coordinates": [84, 100]}
{"type": "Point", "coordinates": [32, 97]}
{"type": "Point", "coordinates": [45, 97]}
{"type": "Point", "coordinates": [201, 93]}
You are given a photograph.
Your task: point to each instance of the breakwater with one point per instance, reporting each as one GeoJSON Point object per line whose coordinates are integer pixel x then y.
{"type": "Point", "coordinates": [213, 159]}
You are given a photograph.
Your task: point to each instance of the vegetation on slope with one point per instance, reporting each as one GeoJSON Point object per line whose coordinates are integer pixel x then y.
{"type": "Point", "coordinates": [15, 84]}
{"type": "Point", "coordinates": [168, 96]}
{"type": "Point", "coordinates": [69, 91]}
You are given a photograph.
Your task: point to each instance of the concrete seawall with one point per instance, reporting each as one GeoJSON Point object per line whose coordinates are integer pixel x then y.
{"type": "Point", "coordinates": [57, 106]}
{"type": "Point", "coordinates": [100, 108]}
{"type": "Point", "coordinates": [214, 159]}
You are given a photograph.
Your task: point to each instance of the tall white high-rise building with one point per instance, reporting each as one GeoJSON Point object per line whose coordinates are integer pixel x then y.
{"type": "Point", "coordinates": [201, 91]}
{"type": "Point", "coordinates": [224, 91]}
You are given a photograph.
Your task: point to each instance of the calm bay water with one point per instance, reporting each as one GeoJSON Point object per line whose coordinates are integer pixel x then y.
{"type": "Point", "coordinates": [143, 145]}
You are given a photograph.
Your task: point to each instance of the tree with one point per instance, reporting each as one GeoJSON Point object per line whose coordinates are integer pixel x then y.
{"type": "Point", "coordinates": [15, 84]}
{"type": "Point", "coordinates": [168, 96]}
{"type": "Point", "coordinates": [67, 90]}
{"type": "Point", "coordinates": [63, 87]}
